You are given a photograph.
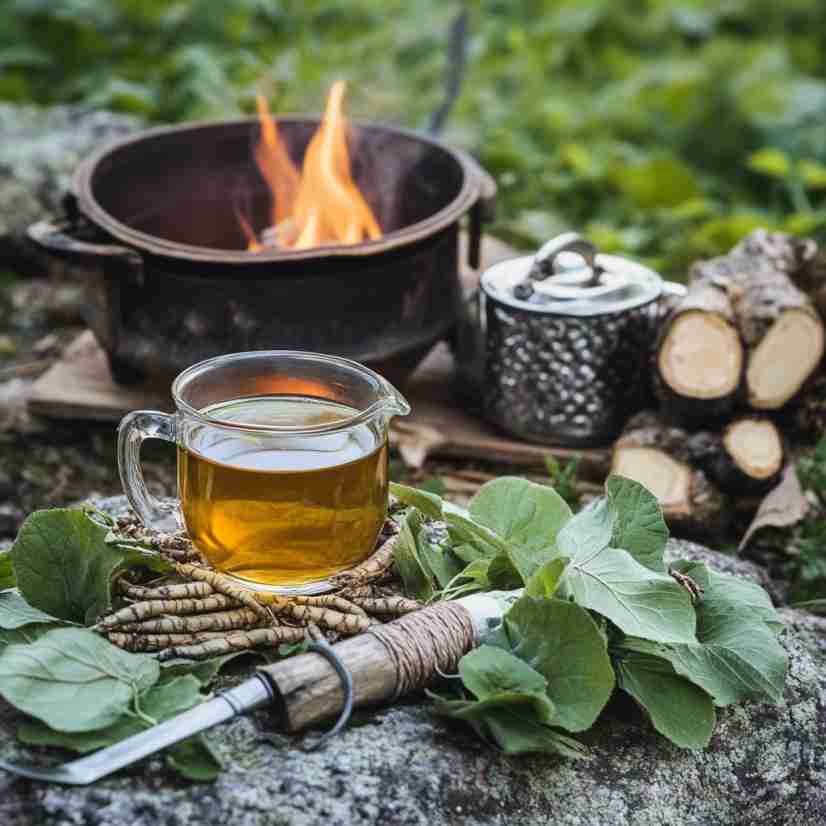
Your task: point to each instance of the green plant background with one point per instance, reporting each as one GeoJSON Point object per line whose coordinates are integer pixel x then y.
{"type": "Point", "coordinates": [664, 129]}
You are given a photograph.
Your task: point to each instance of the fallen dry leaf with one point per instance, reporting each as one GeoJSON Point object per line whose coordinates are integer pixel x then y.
{"type": "Point", "coordinates": [784, 506]}
{"type": "Point", "coordinates": [415, 442]}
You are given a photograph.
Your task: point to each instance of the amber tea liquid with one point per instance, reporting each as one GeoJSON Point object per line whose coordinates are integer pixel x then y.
{"type": "Point", "coordinates": [285, 510]}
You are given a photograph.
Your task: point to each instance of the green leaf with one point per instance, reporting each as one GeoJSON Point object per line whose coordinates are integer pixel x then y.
{"type": "Point", "coordinates": [737, 656]}
{"type": "Point", "coordinates": [813, 174]}
{"type": "Point", "coordinates": [738, 591]}
{"type": "Point", "coordinates": [512, 720]}
{"type": "Point", "coordinates": [639, 526]}
{"type": "Point", "coordinates": [488, 670]}
{"type": "Point", "coordinates": [74, 680]}
{"type": "Point", "coordinates": [438, 561]}
{"type": "Point", "coordinates": [629, 518]}
{"type": "Point", "coordinates": [161, 702]}
{"type": "Point", "coordinates": [527, 517]}
{"type": "Point", "coordinates": [24, 635]}
{"type": "Point", "coordinates": [588, 532]}
{"type": "Point", "coordinates": [430, 504]}
{"type": "Point", "coordinates": [473, 541]}
{"type": "Point", "coordinates": [7, 579]}
{"type": "Point", "coordinates": [15, 612]}
{"type": "Point", "coordinates": [562, 642]}
{"type": "Point", "coordinates": [771, 162]}
{"type": "Point", "coordinates": [202, 670]}
{"type": "Point", "coordinates": [535, 704]}
{"type": "Point", "coordinates": [679, 710]}
{"type": "Point", "coordinates": [64, 566]}
{"type": "Point", "coordinates": [639, 601]}
{"type": "Point", "coordinates": [657, 182]}
{"type": "Point", "coordinates": [407, 561]}
{"type": "Point", "coordinates": [195, 760]}
{"type": "Point", "coordinates": [546, 580]}
{"type": "Point", "coordinates": [517, 733]}
{"type": "Point", "coordinates": [503, 575]}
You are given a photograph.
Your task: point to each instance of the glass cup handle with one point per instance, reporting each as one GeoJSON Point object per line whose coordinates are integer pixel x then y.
{"type": "Point", "coordinates": [133, 429]}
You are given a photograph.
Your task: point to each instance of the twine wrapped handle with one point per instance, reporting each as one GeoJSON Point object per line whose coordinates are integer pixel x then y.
{"type": "Point", "coordinates": [383, 663]}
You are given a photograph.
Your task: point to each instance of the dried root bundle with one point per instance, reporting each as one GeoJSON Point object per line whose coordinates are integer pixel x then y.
{"type": "Point", "coordinates": [206, 613]}
{"type": "Point", "coordinates": [176, 546]}
{"type": "Point", "coordinates": [180, 590]}
{"type": "Point", "coordinates": [218, 621]}
{"type": "Point", "coordinates": [224, 585]}
{"type": "Point", "coordinates": [142, 611]}
{"type": "Point", "coordinates": [235, 641]}
{"type": "Point", "coordinates": [373, 568]}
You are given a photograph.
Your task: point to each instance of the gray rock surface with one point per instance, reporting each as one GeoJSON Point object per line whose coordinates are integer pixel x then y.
{"type": "Point", "coordinates": [40, 147]}
{"type": "Point", "coordinates": [765, 765]}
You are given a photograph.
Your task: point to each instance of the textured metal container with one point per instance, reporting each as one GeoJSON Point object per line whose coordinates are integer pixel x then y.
{"type": "Point", "coordinates": [567, 362]}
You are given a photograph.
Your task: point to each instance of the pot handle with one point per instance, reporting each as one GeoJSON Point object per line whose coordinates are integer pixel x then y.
{"type": "Point", "coordinates": [108, 264]}
{"type": "Point", "coordinates": [56, 238]}
{"type": "Point", "coordinates": [483, 209]}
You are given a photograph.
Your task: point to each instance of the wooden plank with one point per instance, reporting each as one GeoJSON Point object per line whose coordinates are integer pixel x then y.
{"type": "Point", "coordinates": [80, 386]}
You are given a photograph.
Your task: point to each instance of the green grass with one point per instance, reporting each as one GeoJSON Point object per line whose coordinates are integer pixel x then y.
{"type": "Point", "coordinates": [645, 123]}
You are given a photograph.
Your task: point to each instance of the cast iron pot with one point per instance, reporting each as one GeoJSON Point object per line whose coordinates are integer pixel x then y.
{"type": "Point", "coordinates": [153, 219]}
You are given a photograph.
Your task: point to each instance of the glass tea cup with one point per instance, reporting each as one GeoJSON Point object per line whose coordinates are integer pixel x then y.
{"type": "Point", "coordinates": [282, 464]}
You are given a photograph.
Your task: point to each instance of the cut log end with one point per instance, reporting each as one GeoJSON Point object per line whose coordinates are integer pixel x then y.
{"type": "Point", "coordinates": [755, 447]}
{"type": "Point", "coordinates": [660, 457]}
{"type": "Point", "coordinates": [701, 356]}
{"type": "Point", "coordinates": [787, 355]}
{"type": "Point", "coordinates": [668, 479]}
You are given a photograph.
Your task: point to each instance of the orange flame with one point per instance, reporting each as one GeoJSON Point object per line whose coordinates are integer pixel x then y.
{"type": "Point", "coordinates": [322, 205]}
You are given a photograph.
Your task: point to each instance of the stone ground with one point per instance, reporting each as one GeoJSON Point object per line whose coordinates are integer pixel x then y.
{"type": "Point", "coordinates": [765, 765]}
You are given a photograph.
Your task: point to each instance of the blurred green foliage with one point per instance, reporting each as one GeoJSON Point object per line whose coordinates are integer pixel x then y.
{"type": "Point", "coordinates": [664, 129]}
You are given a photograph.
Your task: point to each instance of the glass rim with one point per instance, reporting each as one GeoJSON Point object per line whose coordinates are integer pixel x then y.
{"type": "Point", "coordinates": [391, 400]}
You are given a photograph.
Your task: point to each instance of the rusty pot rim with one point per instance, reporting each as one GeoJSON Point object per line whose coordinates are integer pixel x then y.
{"type": "Point", "coordinates": [477, 185]}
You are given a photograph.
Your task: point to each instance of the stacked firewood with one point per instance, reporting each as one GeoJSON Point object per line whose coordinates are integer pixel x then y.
{"type": "Point", "coordinates": [738, 372]}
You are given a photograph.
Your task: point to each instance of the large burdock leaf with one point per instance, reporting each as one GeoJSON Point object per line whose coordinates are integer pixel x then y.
{"type": "Point", "coordinates": [15, 612]}
{"type": "Point", "coordinates": [588, 532]}
{"type": "Point", "coordinates": [641, 602]}
{"type": "Point", "coordinates": [737, 655]}
{"type": "Point", "coordinates": [159, 703]}
{"type": "Point", "coordinates": [488, 670]}
{"type": "Point", "coordinates": [74, 680]}
{"type": "Point", "coordinates": [679, 710]}
{"type": "Point", "coordinates": [724, 593]}
{"type": "Point", "coordinates": [561, 641]}
{"type": "Point", "coordinates": [63, 565]}
{"type": "Point", "coordinates": [639, 526]}
{"type": "Point", "coordinates": [525, 516]}
{"type": "Point", "coordinates": [629, 518]}
{"type": "Point", "coordinates": [192, 758]}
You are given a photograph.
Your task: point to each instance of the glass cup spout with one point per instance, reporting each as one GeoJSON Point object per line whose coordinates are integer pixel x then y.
{"type": "Point", "coordinates": [392, 403]}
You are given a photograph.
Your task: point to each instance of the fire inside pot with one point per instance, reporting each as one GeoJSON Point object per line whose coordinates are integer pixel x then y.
{"type": "Point", "coordinates": [171, 281]}
{"type": "Point", "coordinates": [321, 203]}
